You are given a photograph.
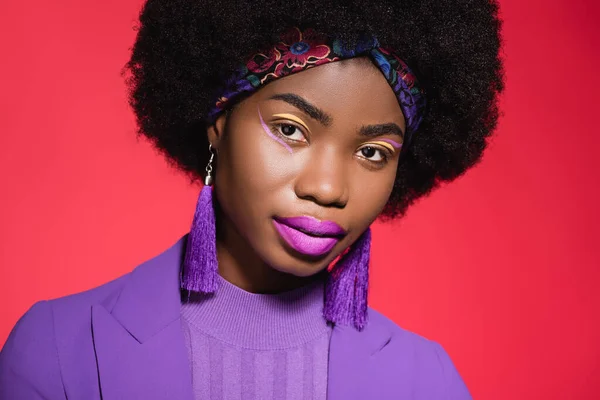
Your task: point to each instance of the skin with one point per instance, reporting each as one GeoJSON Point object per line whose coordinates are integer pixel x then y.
{"type": "Point", "coordinates": [302, 166]}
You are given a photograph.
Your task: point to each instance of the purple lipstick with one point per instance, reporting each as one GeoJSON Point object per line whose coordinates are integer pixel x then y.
{"type": "Point", "coordinates": [308, 235]}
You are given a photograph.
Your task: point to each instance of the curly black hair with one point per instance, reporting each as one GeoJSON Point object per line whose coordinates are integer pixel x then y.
{"type": "Point", "coordinates": [184, 48]}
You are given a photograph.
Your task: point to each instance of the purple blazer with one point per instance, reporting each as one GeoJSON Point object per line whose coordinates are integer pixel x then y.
{"type": "Point", "coordinates": [123, 340]}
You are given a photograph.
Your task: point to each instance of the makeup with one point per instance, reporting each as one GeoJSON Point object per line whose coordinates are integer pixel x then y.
{"type": "Point", "coordinates": [292, 117]}
{"type": "Point", "coordinates": [271, 135]}
{"type": "Point", "coordinates": [394, 144]}
{"type": "Point", "coordinates": [313, 226]}
{"type": "Point", "coordinates": [308, 235]}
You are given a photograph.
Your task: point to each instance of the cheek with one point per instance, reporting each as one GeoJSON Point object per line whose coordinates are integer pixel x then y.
{"type": "Point", "coordinates": [263, 161]}
{"type": "Point", "coordinates": [255, 167]}
{"type": "Point", "coordinates": [370, 195]}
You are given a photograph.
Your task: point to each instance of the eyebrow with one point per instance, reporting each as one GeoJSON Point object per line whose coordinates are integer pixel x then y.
{"type": "Point", "coordinates": [381, 129]}
{"type": "Point", "coordinates": [326, 119]}
{"type": "Point", "coordinates": [304, 106]}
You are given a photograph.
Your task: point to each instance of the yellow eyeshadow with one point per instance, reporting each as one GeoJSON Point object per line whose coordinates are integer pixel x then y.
{"type": "Point", "coordinates": [384, 144]}
{"type": "Point", "coordinates": [291, 117]}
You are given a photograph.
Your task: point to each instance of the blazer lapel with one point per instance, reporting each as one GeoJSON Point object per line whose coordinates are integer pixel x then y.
{"type": "Point", "coordinates": [139, 343]}
{"type": "Point", "coordinates": [353, 360]}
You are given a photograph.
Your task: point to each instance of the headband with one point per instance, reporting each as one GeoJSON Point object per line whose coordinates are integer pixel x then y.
{"type": "Point", "coordinates": [299, 50]}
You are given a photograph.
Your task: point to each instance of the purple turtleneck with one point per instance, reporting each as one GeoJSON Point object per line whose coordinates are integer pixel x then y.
{"type": "Point", "coordinates": [250, 346]}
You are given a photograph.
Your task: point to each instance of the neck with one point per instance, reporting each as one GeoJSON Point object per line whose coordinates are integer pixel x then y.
{"type": "Point", "coordinates": [240, 265]}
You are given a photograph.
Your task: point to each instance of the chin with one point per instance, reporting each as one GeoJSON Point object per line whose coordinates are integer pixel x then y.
{"type": "Point", "coordinates": [297, 265]}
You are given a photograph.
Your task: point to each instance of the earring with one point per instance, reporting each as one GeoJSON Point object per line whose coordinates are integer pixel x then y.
{"type": "Point", "coordinates": [208, 179]}
{"type": "Point", "coordinates": [347, 285]}
{"type": "Point", "coordinates": [200, 272]}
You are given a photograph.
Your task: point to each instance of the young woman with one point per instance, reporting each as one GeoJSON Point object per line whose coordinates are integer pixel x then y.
{"type": "Point", "coordinates": [307, 120]}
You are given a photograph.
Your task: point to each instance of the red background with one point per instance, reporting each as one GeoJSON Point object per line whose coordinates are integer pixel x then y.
{"type": "Point", "coordinates": [501, 267]}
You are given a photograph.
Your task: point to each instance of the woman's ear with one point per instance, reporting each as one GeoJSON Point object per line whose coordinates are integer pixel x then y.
{"type": "Point", "coordinates": [216, 130]}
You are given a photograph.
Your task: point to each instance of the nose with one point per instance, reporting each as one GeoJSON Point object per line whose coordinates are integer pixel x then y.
{"type": "Point", "coordinates": [324, 180]}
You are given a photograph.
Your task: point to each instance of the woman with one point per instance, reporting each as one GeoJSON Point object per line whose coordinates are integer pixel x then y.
{"type": "Point", "coordinates": [308, 120]}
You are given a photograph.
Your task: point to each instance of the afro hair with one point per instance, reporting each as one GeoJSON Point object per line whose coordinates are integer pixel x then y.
{"type": "Point", "coordinates": [184, 48]}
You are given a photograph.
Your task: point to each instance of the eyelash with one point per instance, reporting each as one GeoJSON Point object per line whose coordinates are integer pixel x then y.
{"type": "Point", "coordinates": [275, 128]}
{"type": "Point", "coordinates": [384, 155]}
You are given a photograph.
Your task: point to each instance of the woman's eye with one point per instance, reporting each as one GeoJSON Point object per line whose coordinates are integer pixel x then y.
{"type": "Point", "coordinates": [372, 154]}
{"type": "Point", "coordinates": [291, 132]}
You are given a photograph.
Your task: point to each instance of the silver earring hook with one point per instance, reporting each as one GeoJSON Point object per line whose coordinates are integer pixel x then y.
{"type": "Point", "coordinates": [208, 179]}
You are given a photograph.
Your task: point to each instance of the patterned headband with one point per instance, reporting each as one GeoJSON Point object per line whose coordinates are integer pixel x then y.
{"type": "Point", "coordinates": [298, 51]}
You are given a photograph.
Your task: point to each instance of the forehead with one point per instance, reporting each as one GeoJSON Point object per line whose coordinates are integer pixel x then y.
{"type": "Point", "coordinates": [351, 90]}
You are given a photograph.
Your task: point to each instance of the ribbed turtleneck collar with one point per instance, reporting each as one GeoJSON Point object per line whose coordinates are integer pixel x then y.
{"type": "Point", "coordinates": [259, 321]}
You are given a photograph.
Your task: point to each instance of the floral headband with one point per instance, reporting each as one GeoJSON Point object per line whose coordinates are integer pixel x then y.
{"type": "Point", "coordinates": [299, 50]}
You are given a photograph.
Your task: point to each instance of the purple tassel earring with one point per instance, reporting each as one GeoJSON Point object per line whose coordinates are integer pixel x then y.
{"type": "Point", "coordinates": [347, 285]}
{"type": "Point", "coordinates": [200, 271]}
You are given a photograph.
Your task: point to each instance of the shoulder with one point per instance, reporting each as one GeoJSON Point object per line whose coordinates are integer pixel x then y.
{"type": "Point", "coordinates": [66, 314]}
{"type": "Point", "coordinates": [423, 361]}
{"type": "Point", "coordinates": [52, 342]}
{"type": "Point", "coordinates": [403, 340]}
{"type": "Point", "coordinates": [30, 360]}
{"type": "Point", "coordinates": [45, 316]}
{"type": "Point", "coordinates": [71, 309]}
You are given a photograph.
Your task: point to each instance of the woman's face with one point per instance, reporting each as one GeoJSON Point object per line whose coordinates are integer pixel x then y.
{"type": "Point", "coordinates": [306, 164]}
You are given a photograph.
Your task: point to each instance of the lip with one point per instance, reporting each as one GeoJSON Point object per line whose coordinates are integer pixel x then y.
{"type": "Point", "coordinates": [308, 235]}
{"type": "Point", "coordinates": [312, 226]}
